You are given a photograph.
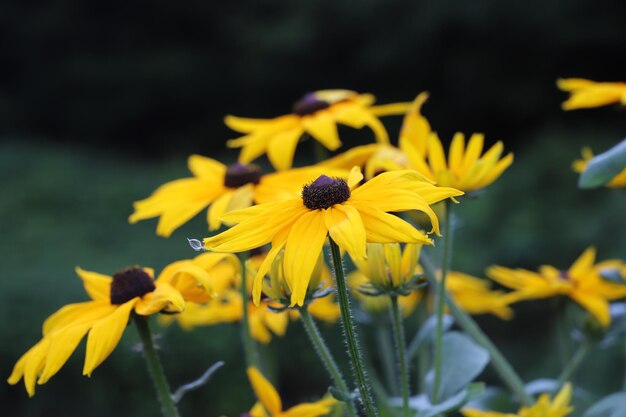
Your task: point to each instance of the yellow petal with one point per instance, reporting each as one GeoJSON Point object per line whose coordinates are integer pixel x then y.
{"type": "Point", "coordinates": [570, 84]}
{"type": "Point", "coordinates": [381, 227]}
{"type": "Point", "coordinates": [436, 155]}
{"type": "Point", "coordinates": [377, 127]}
{"type": "Point", "coordinates": [323, 128]}
{"type": "Point", "coordinates": [563, 398]}
{"type": "Point", "coordinates": [282, 147]}
{"type": "Point", "coordinates": [393, 257]}
{"type": "Point", "coordinates": [265, 392]}
{"type": "Point", "coordinates": [258, 410]}
{"type": "Point", "coordinates": [62, 345]}
{"type": "Point", "coordinates": [415, 130]}
{"type": "Point", "coordinates": [207, 168]}
{"type": "Point", "coordinates": [583, 264]}
{"type": "Point", "coordinates": [355, 177]}
{"type": "Point", "coordinates": [346, 228]}
{"type": "Point", "coordinates": [245, 124]}
{"type": "Point", "coordinates": [72, 314]}
{"type": "Point", "coordinates": [34, 363]}
{"type": "Point", "coordinates": [308, 410]}
{"type": "Point", "coordinates": [304, 243]}
{"type": "Point", "coordinates": [457, 147]}
{"type": "Point", "coordinates": [217, 210]}
{"type": "Point", "coordinates": [473, 151]}
{"type": "Point", "coordinates": [164, 297]}
{"type": "Point", "coordinates": [105, 335]}
{"type": "Point", "coordinates": [98, 286]}
{"type": "Point", "coordinates": [594, 304]}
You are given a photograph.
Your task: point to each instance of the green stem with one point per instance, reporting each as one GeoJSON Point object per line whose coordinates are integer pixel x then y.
{"type": "Point", "coordinates": [574, 363]}
{"type": "Point", "coordinates": [326, 357]}
{"type": "Point", "coordinates": [398, 332]}
{"type": "Point", "coordinates": [423, 358]}
{"type": "Point", "coordinates": [168, 407]}
{"type": "Point", "coordinates": [467, 323]}
{"type": "Point", "coordinates": [441, 293]}
{"type": "Point", "coordinates": [252, 357]}
{"type": "Point", "coordinates": [562, 331]}
{"type": "Point", "coordinates": [385, 350]}
{"type": "Point", "coordinates": [354, 352]}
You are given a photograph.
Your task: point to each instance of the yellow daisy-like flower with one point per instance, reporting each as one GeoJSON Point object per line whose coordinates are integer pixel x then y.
{"type": "Point", "coordinates": [104, 319]}
{"type": "Point", "coordinates": [582, 282]}
{"type": "Point", "coordinates": [270, 404]}
{"type": "Point", "coordinates": [352, 215]}
{"type": "Point", "coordinates": [316, 114]}
{"type": "Point", "coordinates": [421, 149]}
{"type": "Point", "coordinates": [475, 296]}
{"type": "Point", "coordinates": [380, 304]}
{"type": "Point", "coordinates": [588, 94]}
{"type": "Point", "coordinates": [221, 188]}
{"type": "Point", "coordinates": [544, 407]}
{"type": "Point", "coordinates": [579, 166]}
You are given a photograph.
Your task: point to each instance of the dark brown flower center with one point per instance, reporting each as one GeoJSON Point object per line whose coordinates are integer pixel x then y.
{"type": "Point", "coordinates": [309, 104]}
{"type": "Point", "coordinates": [130, 283]}
{"type": "Point", "coordinates": [325, 192]}
{"type": "Point", "coordinates": [238, 175]}
{"type": "Point", "coordinates": [564, 275]}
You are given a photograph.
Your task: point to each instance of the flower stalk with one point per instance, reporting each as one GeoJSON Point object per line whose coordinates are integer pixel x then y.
{"type": "Point", "coordinates": [252, 357]}
{"type": "Point", "coordinates": [575, 361]}
{"type": "Point", "coordinates": [350, 336]}
{"type": "Point", "coordinates": [168, 407]}
{"type": "Point", "coordinates": [326, 357]}
{"type": "Point", "coordinates": [441, 292]}
{"type": "Point", "coordinates": [467, 323]}
{"type": "Point", "coordinates": [398, 333]}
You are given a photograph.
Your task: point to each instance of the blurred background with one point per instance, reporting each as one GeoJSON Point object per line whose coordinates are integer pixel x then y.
{"type": "Point", "coordinates": [101, 102]}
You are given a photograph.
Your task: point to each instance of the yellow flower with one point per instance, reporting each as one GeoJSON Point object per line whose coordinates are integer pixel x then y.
{"type": "Point", "coordinates": [579, 166]}
{"type": "Point", "coordinates": [421, 149]}
{"type": "Point", "coordinates": [316, 114]}
{"type": "Point", "coordinates": [221, 188]}
{"type": "Point", "coordinates": [587, 93]}
{"type": "Point", "coordinates": [582, 282]}
{"type": "Point", "coordinates": [105, 317]}
{"type": "Point", "coordinates": [559, 407]}
{"type": "Point", "coordinates": [352, 215]}
{"type": "Point", "coordinates": [387, 266]}
{"type": "Point", "coordinates": [270, 404]}
{"type": "Point", "coordinates": [475, 296]}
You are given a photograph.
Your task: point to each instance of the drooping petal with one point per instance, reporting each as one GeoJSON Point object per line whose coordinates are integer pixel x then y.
{"type": "Point", "coordinates": [105, 335]}
{"type": "Point", "coordinates": [282, 147]}
{"type": "Point", "coordinates": [594, 304]}
{"type": "Point", "coordinates": [62, 345]}
{"type": "Point", "coordinates": [33, 364]}
{"type": "Point", "coordinates": [164, 297]}
{"type": "Point", "coordinates": [98, 286]}
{"type": "Point", "coordinates": [381, 227]}
{"type": "Point", "coordinates": [323, 128]}
{"type": "Point", "coordinates": [345, 227]}
{"type": "Point", "coordinates": [265, 391]}
{"type": "Point", "coordinates": [304, 243]}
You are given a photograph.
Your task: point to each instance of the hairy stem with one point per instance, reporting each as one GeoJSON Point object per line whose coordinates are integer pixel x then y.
{"type": "Point", "coordinates": [398, 332]}
{"type": "Point", "coordinates": [168, 408]}
{"type": "Point", "coordinates": [326, 357]}
{"type": "Point", "coordinates": [350, 336]}
{"type": "Point", "coordinates": [441, 292]}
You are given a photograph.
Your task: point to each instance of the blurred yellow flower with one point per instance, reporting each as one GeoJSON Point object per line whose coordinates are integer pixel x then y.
{"type": "Point", "coordinates": [582, 282]}
{"type": "Point", "coordinates": [352, 215]}
{"type": "Point", "coordinates": [475, 296]}
{"type": "Point", "coordinates": [388, 266]}
{"type": "Point", "coordinates": [316, 114]}
{"type": "Point", "coordinates": [104, 318]}
{"type": "Point", "coordinates": [270, 404]}
{"type": "Point", "coordinates": [587, 93]}
{"type": "Point", "coordinates": [221, 188]}
{"type": "Point", "coordinates": [380, 303]}
{"type": "Point", "coordinates": [544, 407]}
{"type": "Point", "coordinates": [421, 149]}
{"type": "Point", "coordinates": [579, 166]}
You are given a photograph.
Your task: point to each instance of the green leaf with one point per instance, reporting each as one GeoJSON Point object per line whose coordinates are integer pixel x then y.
{"type": "Point", "coordinates": [612, 406]}
{"type": "Point", "coordinates": [463, 360]}
{"type": "Point", "coordinates": [427, 333]}
{"type": "Point", "coordinates": [604, 167]}
{"type": "Point", "coordinates": [455, 402]}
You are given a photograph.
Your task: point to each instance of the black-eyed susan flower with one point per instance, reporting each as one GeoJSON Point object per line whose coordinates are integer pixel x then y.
{"type": "Point", "coordinates": [579, 166]}
{"type": "Point", "coordinates": [350, 214]}
{"type": "Point", "coordinates": [219, 187]}
{"type": "Point", "coordinates": [475, 296]}
{"type": "Point", "coordinates": [587, 94]}
{"type": "Point", "coordinates": [582, 282]}
{"type": "Point", "coordinates": [103, 319]}
{"type": "Point", "coordinates": [543, 407]}
{"type": "Point", "coordinates": [316, 114]}
{"type": "Point", "coordinates": [270, 404]}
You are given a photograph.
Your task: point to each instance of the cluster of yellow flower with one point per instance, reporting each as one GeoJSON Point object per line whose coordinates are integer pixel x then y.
{"type": "Point", "coordinates": [361, 202]}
